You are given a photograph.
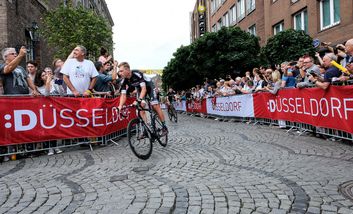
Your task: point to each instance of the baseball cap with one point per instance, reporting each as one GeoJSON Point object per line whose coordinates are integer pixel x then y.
{"type": "Point", "coordinates": [221, 80]}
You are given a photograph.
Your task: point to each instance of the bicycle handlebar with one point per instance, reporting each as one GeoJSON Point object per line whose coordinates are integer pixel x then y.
{"type": "Point", "coordinates": [138, 106]}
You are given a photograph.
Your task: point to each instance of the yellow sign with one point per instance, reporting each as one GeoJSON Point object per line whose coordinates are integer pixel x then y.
{"type": "Point", "coordinates": [201, 8]}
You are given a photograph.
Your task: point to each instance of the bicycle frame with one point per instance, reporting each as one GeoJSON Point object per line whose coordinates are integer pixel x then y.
{"type": "Point", "coordinates": [152, 128]}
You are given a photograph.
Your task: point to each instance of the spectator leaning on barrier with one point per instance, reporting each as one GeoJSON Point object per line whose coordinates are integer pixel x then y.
{"type": "Point", "coordinates": [289, 74]}
{"type": "Point", "coordinates": [59, 77]}
{"type": "Point", "coordinates": [104, 57]}
{"type": "Point", "coordinates": [15, 78]}
{"type": "Point", "coordinates": [103, 79]}
{"type": "Point", "coordinates": [80, 75]}
{"type": "Point", "coordinates": [308, 67]}
{"type": "Point", "coordinates": [331, 74]}
{"type": "Point", "coordinates": [209, 92]}
{"type": "Point", "coordinates": [32, 68]}
{"type": "Point", "coordinates": [248, 87]}
{"type": "Point", "coordinates": [277, 82]}
{"type": "Point", "coordinates": [261, 83]}
{"type": "Point", "coordinates": [46, 84]}
{"type": "Point", "coordinates": [349, 52]}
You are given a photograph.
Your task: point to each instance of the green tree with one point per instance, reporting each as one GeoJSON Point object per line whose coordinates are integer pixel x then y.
{"type": "Point", "coordinates": [179, 73]}
{"type": "Point", "coordinates": [288, 45]}
{"type": "Point", "coordinates": [228, 51]}
{"type": "Point", "coordinates": [67, 26]}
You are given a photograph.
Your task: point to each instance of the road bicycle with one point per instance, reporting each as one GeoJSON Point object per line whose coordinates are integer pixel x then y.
{"type": "Point", "coordinates": [172, 113]}
{"type": "Point", "coordinates": [142, 134]}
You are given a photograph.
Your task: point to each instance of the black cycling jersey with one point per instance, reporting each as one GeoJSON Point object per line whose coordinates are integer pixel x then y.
{"type": "Point", "coordinates": [171, 96]}
{"type": "Point", "coordinates": [136, 81]}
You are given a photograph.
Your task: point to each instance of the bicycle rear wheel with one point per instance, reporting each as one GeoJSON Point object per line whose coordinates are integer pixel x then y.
{"type": "Point", "coordinates": [162, 138]}
{"type": "Point", "coordinates": [175, 114]}
{"type": "Point", "coordinates": [139, 139]}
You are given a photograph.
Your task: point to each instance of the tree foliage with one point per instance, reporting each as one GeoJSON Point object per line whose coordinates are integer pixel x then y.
{"type": "Point", "coordinates": [216, 54]}
{"type": "Point", "coordinates": [288, 45]}
{"type": "Point", "coordinates": [67, 26]}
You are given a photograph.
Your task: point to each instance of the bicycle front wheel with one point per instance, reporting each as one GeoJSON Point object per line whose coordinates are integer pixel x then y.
{"type": "Point", "coordinates": [162, 136]}
{"type": "Point", "coordinates": [139, 139]}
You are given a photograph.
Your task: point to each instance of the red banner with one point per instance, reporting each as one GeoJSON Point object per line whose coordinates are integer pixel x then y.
{"type": "Point", "coordinates": [36, 119]}
{"type": "Point", "coordinates": [196, 106]}
{"type": "Point", "coordinates": [332, 108]}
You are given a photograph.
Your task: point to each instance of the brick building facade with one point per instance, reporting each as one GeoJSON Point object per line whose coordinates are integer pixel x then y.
{"type": "Point", "coordinates": [326, 20]}
{"type": "Point", "coordinates": [21, 19]}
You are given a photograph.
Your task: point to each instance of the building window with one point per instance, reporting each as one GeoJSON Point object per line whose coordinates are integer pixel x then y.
{"type": "Point", "coordinates": [240, 9]}
{"type": "Point", "coordinates": [252, 30]}
{"type": "Point", "coordinates": [250, 6]}
{"type": "Point", "coordinates": [233, 14]}
{"type": "Point", "coordinates": [219, 24]}
{"type": "Point", "coordinates": [213, 5]}
{"type": "Point", "coordinates": [214, 28]}
{"type": "Point", "coordinates": [225, 20]}
{"type": "Point", "coordinates": [218, 4]}
{"type": "Point", "coordinates": [329, 13]}
{"type": "Point", "coordinates": [301, 21]}
{"type": "Point", "coordinates": [278, 28]}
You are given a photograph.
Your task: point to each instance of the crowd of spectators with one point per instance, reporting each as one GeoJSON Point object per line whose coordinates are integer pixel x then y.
{"type": "Point", "coordinates": [306, 71]}
{"type": "Point", "coordinates": [77, 76]}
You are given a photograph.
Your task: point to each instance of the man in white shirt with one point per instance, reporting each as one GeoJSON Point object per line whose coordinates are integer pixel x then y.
{"type": "Point", "coordinates": [80, 75]}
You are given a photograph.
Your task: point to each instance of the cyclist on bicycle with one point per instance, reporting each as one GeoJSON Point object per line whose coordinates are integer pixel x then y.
{"type": "Point", "coordinates": [171, 97]}
{"type": "Point", "coordinates": [134, 79]}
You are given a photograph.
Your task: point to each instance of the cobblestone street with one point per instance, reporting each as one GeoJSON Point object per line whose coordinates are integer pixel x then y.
{"type": "Point", "coordinates": [208, 167]}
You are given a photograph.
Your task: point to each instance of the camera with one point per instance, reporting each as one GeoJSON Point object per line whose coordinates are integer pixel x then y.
{"type": "Point", "coordinates": [18, 48]}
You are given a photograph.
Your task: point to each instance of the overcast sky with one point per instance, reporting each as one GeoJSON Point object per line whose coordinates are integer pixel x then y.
{"type": "Point", "coordinates": [147, 33]}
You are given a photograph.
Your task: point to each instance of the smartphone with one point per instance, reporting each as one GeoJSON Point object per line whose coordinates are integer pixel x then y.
{"type": "Point", "coordinates": [58, 82]}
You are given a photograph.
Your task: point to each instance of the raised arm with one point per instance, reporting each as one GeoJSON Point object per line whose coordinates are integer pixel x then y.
{"type": "Point", "coordinates": [14, 63]}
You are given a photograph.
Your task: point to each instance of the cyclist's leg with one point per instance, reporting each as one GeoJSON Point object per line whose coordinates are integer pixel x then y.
{"type": "Point", "coordinates": [143, 113]}
{"type": "Point", "coordinates": [143, 105]}
{"type": "Point", "coordinates": [158, 110]}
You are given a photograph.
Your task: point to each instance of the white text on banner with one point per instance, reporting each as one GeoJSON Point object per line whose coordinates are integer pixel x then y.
{"type": "Point", "coordinates": [238, 106]}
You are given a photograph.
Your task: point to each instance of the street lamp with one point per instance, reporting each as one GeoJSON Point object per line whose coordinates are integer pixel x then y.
{"type": "Point", "coordinates": [33, 32]}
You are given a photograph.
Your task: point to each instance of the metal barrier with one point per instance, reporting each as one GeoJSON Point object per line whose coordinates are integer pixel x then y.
{"type": "Point", "coordinates": [61, 143]}
{"type": "Point", "coordinates": [28, 148]}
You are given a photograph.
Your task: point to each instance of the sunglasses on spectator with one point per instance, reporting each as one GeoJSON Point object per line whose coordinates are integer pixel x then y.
{"type": "Point", "coordinates": [11, 54]}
